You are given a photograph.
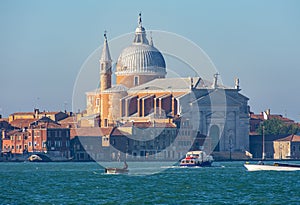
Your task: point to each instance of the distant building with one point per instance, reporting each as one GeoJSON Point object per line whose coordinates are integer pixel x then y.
{"type": "Point", "coordinates": [43, 136]}
{"type": "Point", "coordinates": [256, 145]}
{"type": "Point", "coordinates": [287, 148]}
{"type": "Point", "coordinates": [90, 144]}
{"type": "Point", "coordinates": [36, 114]}
{"type": "Point", "coordinates": [4, 125]}
{"type": "Point", "coordinates": [69, 122]}
{"type": "Point", "coordinates": [257, 119]}
{"type": "Point", "coordinates": [256, 139]}
{"type": "Point", "coordinates": [143, 93]}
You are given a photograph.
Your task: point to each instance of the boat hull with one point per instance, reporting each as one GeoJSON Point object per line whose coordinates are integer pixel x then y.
{"type": "Point", "coordinates": [275, 167]}
{"type": "Point", "coordinates": [196, 158]}
{"type": "Point", "coordinates": [116, 171]}
{"type": "Point", "coordinates": [203, 164]}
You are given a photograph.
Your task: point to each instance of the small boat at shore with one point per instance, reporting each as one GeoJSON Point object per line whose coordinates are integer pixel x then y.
{"type": "Point", "coordinates": [272, 167]}
{"type": "Point", "coordinates": [114, 170]}
{"type": "Point", "coordinates": [196, 159]}
{"type": "Point", "coordinates": [35, 158]}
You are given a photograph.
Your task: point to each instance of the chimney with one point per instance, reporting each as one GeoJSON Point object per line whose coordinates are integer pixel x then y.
{"type": "Point", "coordinates": [237, 84]}
{"type": "Point", "coordinates": [192, 83]}
{"type": "Point", "coordinates": [36, 112]}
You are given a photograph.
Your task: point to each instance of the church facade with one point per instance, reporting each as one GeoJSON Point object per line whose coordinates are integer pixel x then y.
{"type": "Point", "coordinates": [142, 93]}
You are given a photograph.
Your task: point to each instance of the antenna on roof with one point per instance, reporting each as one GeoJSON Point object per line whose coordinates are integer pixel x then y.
{"type": "Point", "coordinates": [105, 36]}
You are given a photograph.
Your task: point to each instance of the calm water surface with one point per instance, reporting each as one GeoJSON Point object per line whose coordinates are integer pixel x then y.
{"type": "Point", "coordinates": [85, 183]}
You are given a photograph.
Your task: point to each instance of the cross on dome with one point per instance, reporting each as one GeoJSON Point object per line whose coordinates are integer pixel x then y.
{"type": "Point", "coordinates": [140, 20]}
{"type": "Point", "coordinates": [140, 33]}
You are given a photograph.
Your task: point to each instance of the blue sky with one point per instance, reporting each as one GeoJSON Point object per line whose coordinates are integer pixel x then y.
{"type": "Point", "coordinates": [44, 43]}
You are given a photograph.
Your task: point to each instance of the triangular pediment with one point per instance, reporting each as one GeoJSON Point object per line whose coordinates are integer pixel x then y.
{"type": "Point", "coordinates": [217, 97]}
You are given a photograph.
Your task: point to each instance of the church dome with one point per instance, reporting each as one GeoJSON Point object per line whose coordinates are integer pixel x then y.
{"type": "Point", "coordinates": [141, 57]}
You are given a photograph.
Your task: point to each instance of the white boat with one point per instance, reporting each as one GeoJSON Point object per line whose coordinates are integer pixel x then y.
{"type": "Point", "coordinates": [196, 159]}
{"type": "Point", "coordinates": [35, 158]}
{"type": "Point", "coordinates": [114, 170]}
{"type": "Point", "coordinates": [272, 167]}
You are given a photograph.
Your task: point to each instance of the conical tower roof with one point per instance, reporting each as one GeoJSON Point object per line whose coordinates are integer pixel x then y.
{"type": "Point", "coordinates": [105, 56]}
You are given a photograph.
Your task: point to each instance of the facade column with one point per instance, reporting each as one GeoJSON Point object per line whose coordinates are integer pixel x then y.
{"type": "Point", "coordinates": [236, 140]}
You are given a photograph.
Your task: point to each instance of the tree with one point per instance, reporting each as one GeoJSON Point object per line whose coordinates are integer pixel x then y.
{"type": "Point", "coordinates": [277, 127]}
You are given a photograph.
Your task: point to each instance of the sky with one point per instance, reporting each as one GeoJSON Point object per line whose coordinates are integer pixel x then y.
{"type": "Point", "coordinates": [43, 45]}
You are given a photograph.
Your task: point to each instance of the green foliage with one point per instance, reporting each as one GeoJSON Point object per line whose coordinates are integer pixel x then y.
{"type": "Point", "coordinates": [277, 127]}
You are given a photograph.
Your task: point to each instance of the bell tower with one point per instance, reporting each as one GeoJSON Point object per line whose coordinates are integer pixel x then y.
{"type": "Point", "coordinates": [105, 66]}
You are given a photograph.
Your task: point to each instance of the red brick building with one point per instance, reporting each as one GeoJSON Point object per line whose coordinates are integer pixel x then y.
{"type": "Point", "coordinates": [43, 135]}
{"type": "Point", "coordinates": [257, 119]}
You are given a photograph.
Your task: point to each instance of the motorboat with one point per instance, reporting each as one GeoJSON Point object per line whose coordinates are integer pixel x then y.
{"type": "Point", "coordinates": [115, 170]}
{"type": "Point", "coordinates": [39, 157]}
{"type": "Point", "coordinates": [272, 167]}
{"type": "Point", "coordinates": [35, 158]}
{"type": "Point", "coordinates": [196, 159]}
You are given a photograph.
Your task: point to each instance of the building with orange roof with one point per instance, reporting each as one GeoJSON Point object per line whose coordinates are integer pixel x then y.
{"type": "Point", "coordinates": [256, 139]}
{"type": "Point", "coordinates": [37, 114]}
{"type": "Point", "coordinates": [69, 122]}
{"type": "Point", "coordinates": [257, 119]}
{"type": "Point", "coordinates": [287, 148]}
{"type": "Point", "coordinates": [42, 136]}
{"type": "Point", "coordinates": [90, 143]}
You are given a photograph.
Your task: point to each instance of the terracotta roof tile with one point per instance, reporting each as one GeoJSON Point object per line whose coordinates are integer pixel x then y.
{"type": "Point", "coordinates": [20, 123]}
{"type": "Point", "coordinates": [261, 117]}
{"type": "Point", "coordinates": [70, 119]}
{"type": "Point", "coordinates": [117, 132]}
{"type": "Point", "coordinates": [3, 119]}
{"type": "Point", "coordinates": [291, 138]}
{"type": "Point", "coordinates": [23, 113]}
{"type": "Point", "coordinates": [13, 132]}
{"type": "Point", "coordinates": [93, 131]}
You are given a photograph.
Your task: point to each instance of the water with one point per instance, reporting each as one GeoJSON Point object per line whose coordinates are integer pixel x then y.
{"type": "Point", "coordinates": [85, 183]}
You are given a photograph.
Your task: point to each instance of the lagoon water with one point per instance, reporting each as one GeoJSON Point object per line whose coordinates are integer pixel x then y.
{"type": "Point", "coordinates": [86, 183]}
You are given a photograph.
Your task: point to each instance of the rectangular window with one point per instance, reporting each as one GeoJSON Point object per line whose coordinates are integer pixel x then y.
{"type": "Point", "coordinates": [136, 80]}
{"type": "Point", "coordinates": [57, 143]}
{"type": "Point", "coordinates": [97, 101]}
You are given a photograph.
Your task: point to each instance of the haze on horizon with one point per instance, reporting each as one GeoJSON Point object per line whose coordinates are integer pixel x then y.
{"type": "Point", "coordinates": [44, 44]}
